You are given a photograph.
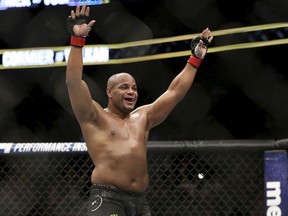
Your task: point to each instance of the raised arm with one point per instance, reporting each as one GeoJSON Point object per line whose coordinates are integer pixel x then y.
{"type": "Point", "coordinates": [80, 97]}
{"type": "Point", "coordinates": [178, 88]}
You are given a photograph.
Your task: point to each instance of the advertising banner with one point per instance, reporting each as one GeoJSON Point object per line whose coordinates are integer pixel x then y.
{"type": "Point", "coordinates": [276, 183]}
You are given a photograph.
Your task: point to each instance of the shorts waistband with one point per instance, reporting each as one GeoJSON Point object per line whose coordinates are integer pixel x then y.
{"type": "Point", "coordinates": [116, 189]}
{"type": "Point", "coordinates": [106, 186]}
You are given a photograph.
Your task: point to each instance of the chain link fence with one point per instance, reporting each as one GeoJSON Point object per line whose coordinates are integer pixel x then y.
{"type": "Point", "coordinates": [186, 178]}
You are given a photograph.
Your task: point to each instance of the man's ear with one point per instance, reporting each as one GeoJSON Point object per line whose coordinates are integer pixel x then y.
{"type": "Point", "coordinates": [108, 92]}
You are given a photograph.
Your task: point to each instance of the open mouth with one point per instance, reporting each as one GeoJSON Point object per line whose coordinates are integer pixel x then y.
{"type": "Point", "coordinates": [129, 100]}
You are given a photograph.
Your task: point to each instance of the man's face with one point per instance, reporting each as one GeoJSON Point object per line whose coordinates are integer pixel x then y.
{"type": "Point", "coordinates": [124, 93]}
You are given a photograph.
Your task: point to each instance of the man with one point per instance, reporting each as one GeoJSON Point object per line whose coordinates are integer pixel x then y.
{"type": "Point", "coordinates": [116, 136]}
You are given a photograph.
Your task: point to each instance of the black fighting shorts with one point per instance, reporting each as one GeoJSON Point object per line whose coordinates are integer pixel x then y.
{"type": "Point", "coordinates": [109, 201]}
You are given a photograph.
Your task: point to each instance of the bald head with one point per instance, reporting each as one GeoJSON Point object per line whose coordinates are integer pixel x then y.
{"type": "Point", "coordinates": [117, 78]}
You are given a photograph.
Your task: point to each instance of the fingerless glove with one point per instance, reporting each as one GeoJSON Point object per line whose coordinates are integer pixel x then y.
{"type": "Point", "coordinates": [194, 43]}
{"type": "Point", "coordinates": [194, 59]}
{"type": "Point", "coordinates": [79, 20]}
{"type": "Point", "coordinates": [77, 41]}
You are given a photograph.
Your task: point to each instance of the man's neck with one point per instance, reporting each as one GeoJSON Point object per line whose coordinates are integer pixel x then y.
{"type": "Point", "coordinates": [120, 114]}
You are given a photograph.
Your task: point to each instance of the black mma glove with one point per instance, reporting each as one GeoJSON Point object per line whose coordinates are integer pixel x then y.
{"type": "Point", "coordinates": [77, 40]}
{"type": "Point", "coordinates": [194, 49]}
{"type": "Point", "coordinates": [79, 20]}
{"type": "Point", "coordinates": [195, 59]}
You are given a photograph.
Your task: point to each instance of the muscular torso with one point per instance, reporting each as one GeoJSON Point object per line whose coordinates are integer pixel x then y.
{"type": "Point", "coordinates": [118, 149]}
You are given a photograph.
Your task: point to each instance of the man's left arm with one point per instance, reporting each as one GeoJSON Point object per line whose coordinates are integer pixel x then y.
{"type": "Point", "coordinates": [180, 85]}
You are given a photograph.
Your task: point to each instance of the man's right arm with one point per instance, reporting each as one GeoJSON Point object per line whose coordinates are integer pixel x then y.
{"type": "Point", "coordinates": [80, 97]}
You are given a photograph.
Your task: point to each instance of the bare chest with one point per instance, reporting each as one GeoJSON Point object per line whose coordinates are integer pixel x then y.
{"type": "Point", "coordinates": [125, 130]}
{"type": "Point", "coordinates": [118, 136]}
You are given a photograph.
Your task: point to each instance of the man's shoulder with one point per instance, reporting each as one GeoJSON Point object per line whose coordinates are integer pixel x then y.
{"type": "Point", "coordinates": [141, 110]}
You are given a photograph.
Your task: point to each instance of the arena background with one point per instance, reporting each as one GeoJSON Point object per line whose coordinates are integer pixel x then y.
{"type": "Point", "coordinates": [239, 94]}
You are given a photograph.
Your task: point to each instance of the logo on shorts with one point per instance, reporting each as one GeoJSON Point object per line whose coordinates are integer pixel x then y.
{"type": "Point", "coordinates": [96, 202]}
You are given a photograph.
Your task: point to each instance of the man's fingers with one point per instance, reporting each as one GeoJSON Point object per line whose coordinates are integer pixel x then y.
{"type": "Point", "coordinates": [87, 11]}
{"type": "Point", "coordinates": [200, 44]}
{"type": "Point", "coordinates": [72, 14]}
{"type": "Point", "coordinates": [91, 23]}
{"type": "Point", "coordinates": [77, 10]}
{"type": "Point", "coordinates": [80, 11]}
{"type": "Point", "coordinates": [205, 33]}
{"type": "Point", "coordinates": [83, 9]}
{"type": "Point", "coordinates": [210, 39]}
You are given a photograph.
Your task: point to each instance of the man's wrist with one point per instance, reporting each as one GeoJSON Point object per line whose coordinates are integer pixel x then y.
{"type": "Point", "coordinates": [77, 41]}
{"type": "Point", "coordinates": [194, 61]}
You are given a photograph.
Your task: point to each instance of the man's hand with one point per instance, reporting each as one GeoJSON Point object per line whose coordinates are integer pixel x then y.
{"type": "Point", "coordinates": [77, 22]}
{"type": "Point", "coordinates": [199, 45]}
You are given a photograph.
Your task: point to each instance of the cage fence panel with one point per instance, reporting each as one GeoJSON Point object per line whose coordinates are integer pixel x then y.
{"type": "Point", "coordinates": [183, 181]}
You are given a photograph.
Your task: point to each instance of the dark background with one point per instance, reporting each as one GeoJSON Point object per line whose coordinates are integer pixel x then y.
{"type": "Point", "coordinates": [237, 94]}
